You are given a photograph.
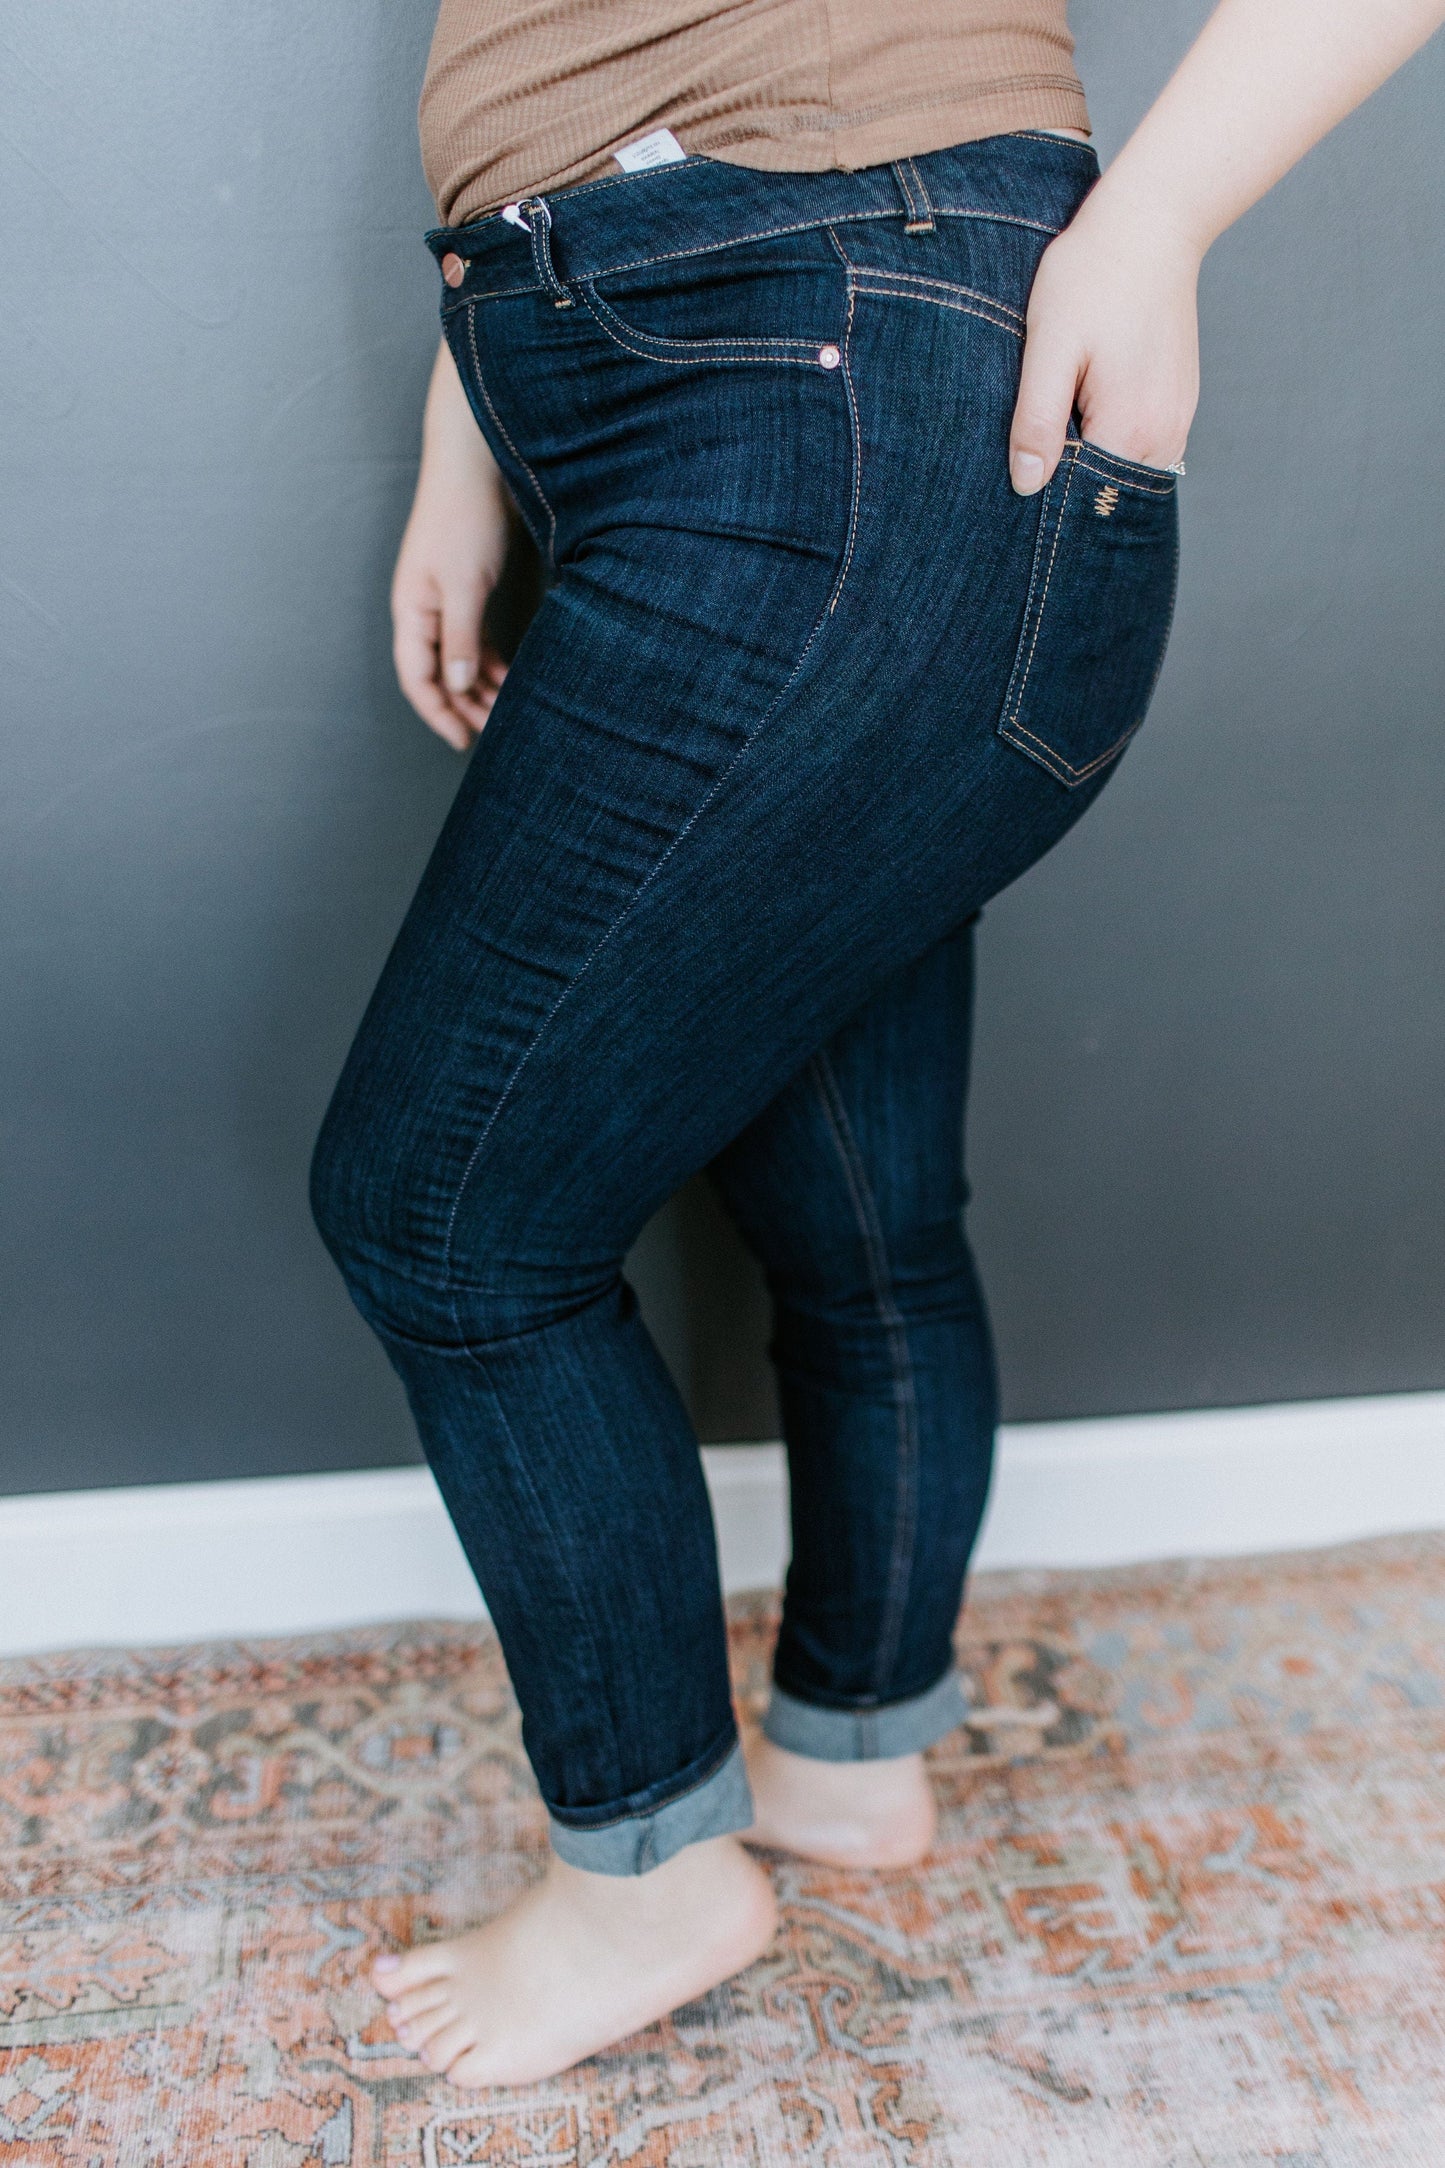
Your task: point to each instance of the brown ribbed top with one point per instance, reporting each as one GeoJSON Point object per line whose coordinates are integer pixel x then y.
{"type": "Point", "coordinates": [523, 96]}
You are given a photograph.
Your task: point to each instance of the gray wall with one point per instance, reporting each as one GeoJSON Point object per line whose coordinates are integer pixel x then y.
{"type": "Point", "coordinates": [1211, 1068]}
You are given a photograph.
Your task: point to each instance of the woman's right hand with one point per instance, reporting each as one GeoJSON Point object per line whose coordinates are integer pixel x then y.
{"type": "Point", "coordinates": [450, 559]}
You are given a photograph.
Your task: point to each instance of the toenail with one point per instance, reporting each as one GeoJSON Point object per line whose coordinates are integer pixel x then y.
{"type": "Point", "coordinates": [387, 1964]}
{"type": "Point", "coordinates": [403, 2034]}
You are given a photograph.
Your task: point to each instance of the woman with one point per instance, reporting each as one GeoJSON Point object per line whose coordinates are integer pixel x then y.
{"type": "Point", "coordinates": [860, 592]}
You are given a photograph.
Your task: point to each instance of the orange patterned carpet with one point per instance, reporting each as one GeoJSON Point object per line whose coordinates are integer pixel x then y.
{"type": "Point", "coordinates": [1188, 1910]}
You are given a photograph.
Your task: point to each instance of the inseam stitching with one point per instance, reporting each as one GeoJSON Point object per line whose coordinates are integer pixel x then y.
{"type": "Point", "coordinates": [905, 1395]}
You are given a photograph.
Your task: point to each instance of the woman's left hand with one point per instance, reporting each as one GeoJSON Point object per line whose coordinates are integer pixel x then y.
{"type": "Point", "coordinates": [1112, 331]}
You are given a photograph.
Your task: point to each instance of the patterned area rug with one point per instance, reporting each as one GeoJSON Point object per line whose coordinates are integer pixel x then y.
{"type": "Point", "coordinates": [1188, 1910]}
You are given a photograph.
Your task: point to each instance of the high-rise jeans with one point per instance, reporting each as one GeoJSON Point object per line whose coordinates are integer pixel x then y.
{"type": "Point", "coordinates": [810, 686]}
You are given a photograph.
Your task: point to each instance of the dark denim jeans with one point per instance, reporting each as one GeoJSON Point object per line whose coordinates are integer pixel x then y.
{"type": "Point", "coordinates": [811, 685]}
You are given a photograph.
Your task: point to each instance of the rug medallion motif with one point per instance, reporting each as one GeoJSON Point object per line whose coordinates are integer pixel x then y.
{"type": "Point", "coordinates": [1187, 1909]}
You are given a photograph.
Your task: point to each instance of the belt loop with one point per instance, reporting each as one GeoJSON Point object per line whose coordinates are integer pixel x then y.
{"type": "Point", "coordinates": [541, 225]}
{"type": "Point", "coordinates": [915, 196]}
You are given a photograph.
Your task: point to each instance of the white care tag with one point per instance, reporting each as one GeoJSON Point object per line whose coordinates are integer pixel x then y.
{"type": "Point", "coordinates": [512, 213]}
{"type": "Point", "coordinates": [661, 148]}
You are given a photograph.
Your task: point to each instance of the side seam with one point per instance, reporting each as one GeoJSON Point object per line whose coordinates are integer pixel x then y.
{"type": "Point", "coordinates": [723, 775]}
{"type": "Point", "coordinates": [500, 428]}
{"type": "Point", "coordinates": [905, 1393]}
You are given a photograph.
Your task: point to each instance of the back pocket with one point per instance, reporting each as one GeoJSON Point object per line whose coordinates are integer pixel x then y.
{"type": "Point", "coordinates": [1097, 618]}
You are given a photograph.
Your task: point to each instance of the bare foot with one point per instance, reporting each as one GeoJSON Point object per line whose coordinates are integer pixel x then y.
{"type": "Point", "coordinates": [580, 1961]}
{"type": "Point", "coordinates": [847, 1814]}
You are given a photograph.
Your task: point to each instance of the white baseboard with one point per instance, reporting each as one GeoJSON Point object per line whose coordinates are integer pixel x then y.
{"type": "Point", "coordinates": [299, 1554]}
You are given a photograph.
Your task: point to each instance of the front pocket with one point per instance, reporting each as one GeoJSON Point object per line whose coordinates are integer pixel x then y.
{"type": "Point", "coordinates": [651, 346]}
{"type": "Point", "coordinates": [1096, 622]}
{"type": "Point", "coordinates": [780, 299]}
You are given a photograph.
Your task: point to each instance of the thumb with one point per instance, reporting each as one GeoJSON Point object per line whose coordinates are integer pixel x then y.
{"type": "Point", "coordinates": [1047, 385]}
{"type": "Point", "coordinates": [461, 636]}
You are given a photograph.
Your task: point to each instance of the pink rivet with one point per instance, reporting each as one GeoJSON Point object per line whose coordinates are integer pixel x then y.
{"type": "Point", "coordinates": [828, 357]}
{"type": "Point", "coordinates": [453, 270]}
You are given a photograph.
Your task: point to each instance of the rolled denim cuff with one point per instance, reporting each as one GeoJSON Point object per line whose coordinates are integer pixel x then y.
{"type": "Point", "coordinates": [874, 1734]}
{"type": "Point", "coordinates": [716, 1806]}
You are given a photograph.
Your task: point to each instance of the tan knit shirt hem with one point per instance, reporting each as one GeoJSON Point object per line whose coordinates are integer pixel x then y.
{"type": "Point", "coordinates": [526, 97]}
{"type": "Point", "coordinates": [911, 133]}
{"type": "Point", "coordinates": [907, 134]}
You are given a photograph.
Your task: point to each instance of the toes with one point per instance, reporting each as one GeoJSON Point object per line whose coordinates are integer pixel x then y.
{"type": "Point", "coordinates": [418, 1968]}
{"type": "Point", "coordinates": [419, 2030]}
{"type": "Point", "coordinates": [408, 2008]}
{"type": "Point", "coordinates": [445, 2046]}
{"type": "Point", "coordinates": [470, 2068]}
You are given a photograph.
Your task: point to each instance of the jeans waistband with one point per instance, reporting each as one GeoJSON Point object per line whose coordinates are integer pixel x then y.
{"type": "Point", "coordinates": [689, 208]}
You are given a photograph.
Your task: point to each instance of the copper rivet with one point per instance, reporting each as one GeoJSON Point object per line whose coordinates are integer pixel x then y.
{"type": "Point", "coordinates": [828, 357]}
{"type": "Point", "coordinates": [453, 270]}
